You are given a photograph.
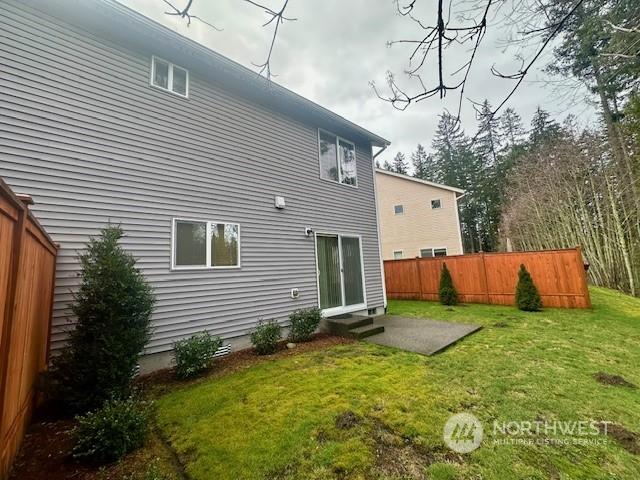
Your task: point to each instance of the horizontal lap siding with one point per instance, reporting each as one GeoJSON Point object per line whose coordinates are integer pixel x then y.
{"type": "Point", "coordinates": [85, 135]}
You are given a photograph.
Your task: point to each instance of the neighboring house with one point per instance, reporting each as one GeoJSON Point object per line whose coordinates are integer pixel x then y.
{"type": "Point", "coordinates": [417, 218]}
{"type": "Point", "coordinates": [240, 199]}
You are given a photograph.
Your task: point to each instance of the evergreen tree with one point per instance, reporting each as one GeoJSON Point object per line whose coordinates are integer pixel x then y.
{"type": "Point", "coordinates": [423, 164]}
{"type": "Point", "coordinates": [387, 166]}
{"type": "Point", "coordinates": [543, 128]}
{"type": "Point", "coordinates": [113, 309]}
{"type": "Point", "coordinates": [527, 296]}
{"type": "Point", "coordinates": [399, 164]}
{"type": "Point", "coordinates": [512, 130]}
{"type": "Point", "coordinates": [488, 141]}
{"type": "Point", "coordinates": [447, 292]}
{"type": "Point", "coordinates": [457, 166]}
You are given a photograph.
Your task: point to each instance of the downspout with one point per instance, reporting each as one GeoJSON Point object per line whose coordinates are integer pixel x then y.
{"type": "Point", "coordinates": [375, 196]}
{"type": "Point", "coordinates": [379, 152]}
{"type": "Point", "coordinates": [458, 222]}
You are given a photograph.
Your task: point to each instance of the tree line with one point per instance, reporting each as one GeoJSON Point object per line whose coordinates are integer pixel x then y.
{"type": "Point", "coordinates": [555, 185]}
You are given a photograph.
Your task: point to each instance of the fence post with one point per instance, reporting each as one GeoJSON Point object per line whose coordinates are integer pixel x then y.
{"type": "Point", "coordinates": [419, 273]}
{"type": "Point", "coordinates": [10, 303]}
{"type": "Point", "coordinates": [585, 284]}
{"type": "Point", "coordinates": [484, 276]}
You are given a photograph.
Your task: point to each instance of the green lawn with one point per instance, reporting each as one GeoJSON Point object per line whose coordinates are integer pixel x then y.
{"type": "Point", "coordinates": [277, 419]}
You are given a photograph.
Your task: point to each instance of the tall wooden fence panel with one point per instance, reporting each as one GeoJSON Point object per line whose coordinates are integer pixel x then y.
{"type": "Point", "coordinates": [492, 277]}
{"type": "Point", "coordinates": [27, 272]}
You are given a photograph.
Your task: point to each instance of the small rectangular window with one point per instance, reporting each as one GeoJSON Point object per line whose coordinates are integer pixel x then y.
{"type": "Point", "coordinates": [426, 252]}
{"type": "Point", "coordinates": [398, 209]}
{"type": "Point", "coordinates": [437, 203]}
{"type": "Point", "coordinates": [170, 77]}
{"type": "Point", "coordinates": [337, 159]}
{"type": "Point", "coordinates": [202, 244]}
{"type": "Point", "coordinates": [439, 252]}
{"type": "Point", "coordinates": [397, 255]}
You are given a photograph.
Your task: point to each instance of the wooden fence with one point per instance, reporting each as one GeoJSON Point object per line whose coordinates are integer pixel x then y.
{"type": "Point", "coordinates": [27, 272]}
{"type": "Point", "coordinates": [492, 277]}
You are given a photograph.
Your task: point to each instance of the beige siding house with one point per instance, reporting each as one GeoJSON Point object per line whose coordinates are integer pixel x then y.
{"type": "Point", "coordinates": [417, 218]}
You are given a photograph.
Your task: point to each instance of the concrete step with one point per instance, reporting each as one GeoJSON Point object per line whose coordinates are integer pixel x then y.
{"type": "Point", "coordinates": [342, 324]}
{"type": "Point", "coordinates": [366, 331]}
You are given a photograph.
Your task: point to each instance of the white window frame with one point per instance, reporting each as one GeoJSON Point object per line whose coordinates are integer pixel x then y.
{"type": "Point", "coordinates": [169, 78]}
{"type": "Point", "coordinates": [394, 209]}
{"type": "Point", "coordinates": [401, 252]}
{"type": "Point", "coordinates": [208, 265]}
{"type": "Point", "coordinates": [436, 208]}
{"type": "Point", "coordinates": [433, 251]}
{"type": "Point", "coordinates": [355, 153]}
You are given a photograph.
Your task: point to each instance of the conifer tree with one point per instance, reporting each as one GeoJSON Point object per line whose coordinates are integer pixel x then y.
{"type": "Point", "coordinates": [527, 296]}
{"type": "Point", "coordinates": [448, 293]}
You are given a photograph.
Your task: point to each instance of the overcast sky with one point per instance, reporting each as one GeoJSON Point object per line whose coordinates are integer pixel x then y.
{"type": "Point", "coordinates": [335, 48]}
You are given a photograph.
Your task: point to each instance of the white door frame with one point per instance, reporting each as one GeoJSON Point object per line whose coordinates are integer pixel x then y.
{"type": "Point", "coordinates": [342, 309]}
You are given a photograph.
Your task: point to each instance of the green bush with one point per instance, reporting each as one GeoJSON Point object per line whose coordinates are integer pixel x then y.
{"type": "Point", "coordinates": [448, 293]}
{"type": "Point", "coordinates": [195, 355]}
{"type": "Point", "coordinates": [304, 323]}
{"type": "Point", "coordinates": [113, 309]}
{"type": "Point", "coordinates": [527, 296]}
{"type": "Point", "coordinates": [266, 336]}
{"type": "Point", "coordinates": [107, 434]}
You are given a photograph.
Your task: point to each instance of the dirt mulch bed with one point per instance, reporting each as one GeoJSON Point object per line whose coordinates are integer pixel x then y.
{"type": "Point", "coordinates": [46, 450]}
{"type": "Point", "coordinates": [609, 379]}
{"type": "Point", "coordinates": [161, 381]}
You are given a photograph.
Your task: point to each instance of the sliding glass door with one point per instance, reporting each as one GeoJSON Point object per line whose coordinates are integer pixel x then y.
{"type": "Point", "coordinates": [340, 273]}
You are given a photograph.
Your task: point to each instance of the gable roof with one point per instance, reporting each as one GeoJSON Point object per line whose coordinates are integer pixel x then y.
{"type": "Point", "coordinates": [418, 180]}
{"type": "Point", "coordinates": [122, 25]}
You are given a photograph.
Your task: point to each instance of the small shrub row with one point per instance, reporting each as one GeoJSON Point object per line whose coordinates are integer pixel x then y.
{"type": "Point", "coordinates": [194, 355]}
{"type": "Point", "coordinates": [267, 334]}
{"type": "Point", "coordinates": [110, 432]}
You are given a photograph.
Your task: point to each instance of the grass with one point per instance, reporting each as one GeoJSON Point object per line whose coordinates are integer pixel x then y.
{"type": "Point", "coordinates": [284, 419]}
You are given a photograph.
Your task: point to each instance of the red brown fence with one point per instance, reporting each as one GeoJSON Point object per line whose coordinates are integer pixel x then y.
{"type": "Point", "coordinates": [27, 272]}
{"type": "Point", "coordinates": [492, 277]}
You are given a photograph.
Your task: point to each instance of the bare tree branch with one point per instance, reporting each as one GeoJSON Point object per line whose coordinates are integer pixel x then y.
{"type": "Point", "coordinates": [275, 16]}
{"type": "Point", "coordinates": [185, 13]}
{"type": "Point", "coordinates": [279, 18]}
{"type": "Point", "coordinates": [437, 39]}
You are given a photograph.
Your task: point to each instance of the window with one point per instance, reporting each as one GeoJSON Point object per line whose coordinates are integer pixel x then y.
{"type": "Point", "coordinates": [200, 244]}
{"type": "Point", "coordinates": [433, 252]}
{"type": "Point", "coordinates": [170, 77]}
{"type": "Point", "coordinates": [337, 159]}
{"type": "Point", "coordinates": [398, 209]}
{"type": "Point", "coordinates": [437, 203]}
{"type": "Point", "coordinates": [397, 255]}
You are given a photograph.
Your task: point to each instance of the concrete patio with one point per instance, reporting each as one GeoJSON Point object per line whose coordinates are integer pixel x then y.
{"type": "Point", "coordinates": [418, 334]}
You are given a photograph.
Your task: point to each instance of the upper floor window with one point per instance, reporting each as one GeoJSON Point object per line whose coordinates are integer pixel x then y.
{"type": "Point", "coordinates": [437, 203]}
{"type": "Point", "coordinates": [398, 209]}
{"type": "Point", "coordinates": [170, 77]}
{"type": "Point", "coordinates": [337, 159]}
{"type": "Point", "coordinates": [397, 255]}
{"type": "Point", "coordinates": [203, 244]}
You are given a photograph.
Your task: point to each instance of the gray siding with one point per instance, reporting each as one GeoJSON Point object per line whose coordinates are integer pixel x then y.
{"type": "Point", "coordinates": [82, 131]}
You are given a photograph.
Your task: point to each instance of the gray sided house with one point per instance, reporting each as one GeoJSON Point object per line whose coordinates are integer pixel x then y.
{"type": "Point", "coordinates": [240, 199]}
